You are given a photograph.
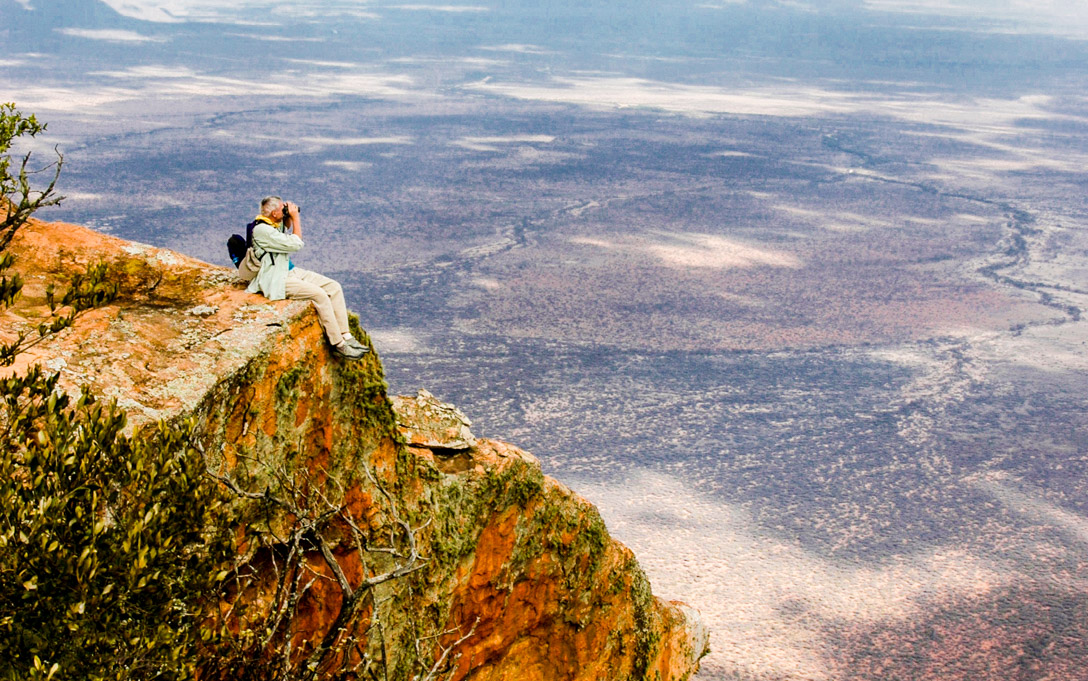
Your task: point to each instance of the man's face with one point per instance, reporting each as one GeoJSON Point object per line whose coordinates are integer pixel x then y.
{"type": "Point", "coordinates": [277, 214]}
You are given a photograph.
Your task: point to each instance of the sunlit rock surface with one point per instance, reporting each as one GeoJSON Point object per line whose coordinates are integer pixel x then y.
{"type": "Point", "coordinates": [521, 578]}
{"type": "Point", "coordinates": [424, 421]}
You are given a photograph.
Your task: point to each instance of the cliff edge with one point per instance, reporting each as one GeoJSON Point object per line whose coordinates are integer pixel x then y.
{"type": "Point", "coordinates": [380, 531]}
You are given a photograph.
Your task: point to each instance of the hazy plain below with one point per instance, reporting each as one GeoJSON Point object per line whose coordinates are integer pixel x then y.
{"type": "Point", "coordinates": [792, 291]}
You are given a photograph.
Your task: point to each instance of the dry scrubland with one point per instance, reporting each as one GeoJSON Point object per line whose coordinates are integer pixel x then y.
{"type": "Point", "coordinates": [815, 350]}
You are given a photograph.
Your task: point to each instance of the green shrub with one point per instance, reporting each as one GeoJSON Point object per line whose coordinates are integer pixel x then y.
{"type": "Point", "coordinates": [103, 557]}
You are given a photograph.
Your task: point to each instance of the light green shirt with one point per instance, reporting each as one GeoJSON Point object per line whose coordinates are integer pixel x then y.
{"type": "Point", "coordinates": [271, 245]}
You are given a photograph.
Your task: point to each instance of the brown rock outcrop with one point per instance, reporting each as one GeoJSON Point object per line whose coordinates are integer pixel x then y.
{"type": "Point", "coordinates": [426, 422]}
{"type": "Point", "coordinates": [518, 577]}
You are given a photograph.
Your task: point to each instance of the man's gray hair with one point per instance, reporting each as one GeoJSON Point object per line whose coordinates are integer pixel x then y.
{"type": "Point", "coordinates": [269, 204]}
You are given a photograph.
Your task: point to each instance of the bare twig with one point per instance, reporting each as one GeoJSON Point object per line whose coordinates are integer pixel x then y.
{"type": "Point", "coordinates": [314, 512]}
{"type": "Point", "coordinates": [440, 663]}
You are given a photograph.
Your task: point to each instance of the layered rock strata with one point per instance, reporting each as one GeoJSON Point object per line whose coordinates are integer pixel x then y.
{"type": "Point", "coordinates": [511, 574]}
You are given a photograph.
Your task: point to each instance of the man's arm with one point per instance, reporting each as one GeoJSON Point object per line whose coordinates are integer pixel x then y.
{"type": "Point", "coordinates": [269, 239]}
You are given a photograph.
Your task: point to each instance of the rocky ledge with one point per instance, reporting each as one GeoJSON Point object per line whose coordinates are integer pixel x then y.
{"type": "Point", "coordinates": [498, 571]}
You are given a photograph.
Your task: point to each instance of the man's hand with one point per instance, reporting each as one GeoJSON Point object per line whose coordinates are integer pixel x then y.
{"type": "Point", "coordinates": [291, 212]}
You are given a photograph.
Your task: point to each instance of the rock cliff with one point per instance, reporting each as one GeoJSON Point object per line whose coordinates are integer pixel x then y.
{"type": "Point", "coordinates": [416, 545]}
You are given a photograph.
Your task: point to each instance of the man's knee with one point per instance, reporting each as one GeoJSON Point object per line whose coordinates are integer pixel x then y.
{"type": "Point", "coordinates": [316, 296]}
{"type": "Point", "coordinates": [301, 290]}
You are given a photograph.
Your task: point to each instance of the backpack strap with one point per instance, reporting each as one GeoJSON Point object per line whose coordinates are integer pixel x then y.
{"type": "Point", "coordinates": [259, 254]}
{"type": "Point", "coordinates": [249, 243]}
{"type": "Point", "coordinates": [249, 240]}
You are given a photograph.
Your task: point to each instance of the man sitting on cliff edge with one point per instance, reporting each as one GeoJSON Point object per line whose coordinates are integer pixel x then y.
{"type": "Point", "coordinates": [269, 270]}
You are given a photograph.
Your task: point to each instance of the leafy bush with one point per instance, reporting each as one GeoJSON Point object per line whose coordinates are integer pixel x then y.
{"type": "Point", "coordinates": [102, 555]}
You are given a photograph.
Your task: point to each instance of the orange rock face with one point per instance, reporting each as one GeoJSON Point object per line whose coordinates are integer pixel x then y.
{"type": "Point", "coordinates": [515, 576]}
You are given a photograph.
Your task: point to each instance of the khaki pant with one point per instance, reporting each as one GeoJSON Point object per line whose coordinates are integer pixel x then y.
{"type": "Point", "coordinates": [326, 296]}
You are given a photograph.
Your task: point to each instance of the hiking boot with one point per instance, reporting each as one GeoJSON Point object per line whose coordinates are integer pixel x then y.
{"type": "Point", "coordinates": [352, 342]}
{"type": "Point", "coordinates": [348, 352]}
